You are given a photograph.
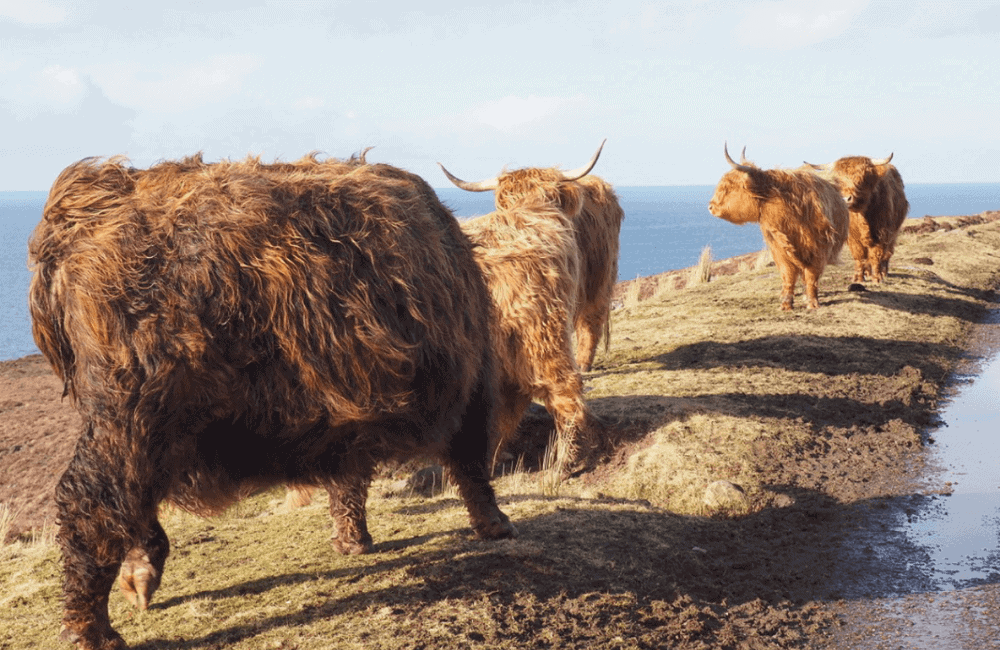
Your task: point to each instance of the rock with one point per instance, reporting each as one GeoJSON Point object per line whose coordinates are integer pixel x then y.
{"type": "Point", "coordinates": [427, 482]}
{"type": "Point", "coordinates": [783, 501]}
{"type": "Point", "coordinates": [723, 494]}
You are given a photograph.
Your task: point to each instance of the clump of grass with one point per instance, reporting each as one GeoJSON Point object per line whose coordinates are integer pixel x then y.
{"type": "Point", "coordinates": [701, 273]}
{"type": "Point", "coordinates": [664, 287]}
{"type": "Point", "coordinates": [763, 259]}
{"type": "Point", "coordinates": [6, 522]}
{"type": "Point", "coordinates": [550, 474]}
{"type": "Point", "coordinates": [631, 299]}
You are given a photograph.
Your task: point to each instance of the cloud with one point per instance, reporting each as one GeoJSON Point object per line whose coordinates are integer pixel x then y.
{"type": "Point", "coordinates": [513, 112]}
{"type": "Point", "coordinates": [37, 12]}
{"type": "Point", "coordinates": [937, 20]}
{"type": "Point", "coordinates": [789, 24]}
{"type": "Point", "coordinates": [28, 92]}
{"type": "Point", "coordinates": [310, 103]}
{"type": "Point", "coordinates": [63, 88]}
{"type": "Point", "coordinates": [177, 89]}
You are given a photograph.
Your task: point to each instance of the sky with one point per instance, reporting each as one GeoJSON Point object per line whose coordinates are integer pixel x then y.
{"type": "Point", "coordinates": [486, 85]}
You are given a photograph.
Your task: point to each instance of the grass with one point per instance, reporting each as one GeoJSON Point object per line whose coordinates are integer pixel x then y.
{"type": "Point", "coordinates": [701, 273]}
{"type": "Point", "coordinates": [712, 384]}
{"type": "Point", "coordinates": [7, 517]}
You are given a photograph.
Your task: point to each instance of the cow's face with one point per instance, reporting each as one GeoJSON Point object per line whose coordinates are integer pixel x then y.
{"type": "Point", "coordinates": [856, 178]}
{"type": "Point", "coordinates": [733, 199]}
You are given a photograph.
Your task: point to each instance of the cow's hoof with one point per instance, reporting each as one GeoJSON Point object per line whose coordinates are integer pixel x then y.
{"type": "Point", "coordinates": [108, 640]}
{"type": "Point", "coordinates": [138, 580]}
{"type": "Point", "coordinates": [353, 547]}
{"type": "Point", "coordinates": [496, 528]}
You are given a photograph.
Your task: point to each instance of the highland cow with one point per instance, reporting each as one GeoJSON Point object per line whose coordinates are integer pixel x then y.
{"type": "Point", "coordinates": [226, 327]}
{"type": "Point", "coordinates": [876, 201]}
{"type": "Point", "coordinates": [550, 257]}
{"type": "Point", "coordinates": [802, 217]}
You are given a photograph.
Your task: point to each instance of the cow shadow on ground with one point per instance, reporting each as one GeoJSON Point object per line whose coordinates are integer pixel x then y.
{"type": "Point", "coordinates": [840, 355]}
{"type": "Point", "coordinates": [883, 429]}
{"type": "Point", "coordinates": [623, 559]}
{"type": "Point", "coordinates": [963, 304]}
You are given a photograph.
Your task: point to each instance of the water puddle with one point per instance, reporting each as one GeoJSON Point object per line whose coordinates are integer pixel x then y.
{"type": "Point", "coordinates": [961, 532]}
{"type": "Point", "coordinates": [940, 584]}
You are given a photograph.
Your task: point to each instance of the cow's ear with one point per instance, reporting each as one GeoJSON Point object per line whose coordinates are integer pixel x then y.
{"type": "Point", "coordinates": [570, 199]}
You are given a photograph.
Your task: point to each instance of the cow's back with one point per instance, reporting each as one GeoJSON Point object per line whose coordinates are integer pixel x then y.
{"type": "Point", "coordinates": [234, 289]}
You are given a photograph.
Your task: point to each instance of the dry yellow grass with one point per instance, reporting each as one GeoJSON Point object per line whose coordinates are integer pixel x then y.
{"type": "Point", "coordinates": [701, 273]}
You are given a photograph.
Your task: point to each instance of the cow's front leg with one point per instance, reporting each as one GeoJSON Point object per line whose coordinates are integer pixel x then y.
{"type": "Point", "coordinates": [789, 276]}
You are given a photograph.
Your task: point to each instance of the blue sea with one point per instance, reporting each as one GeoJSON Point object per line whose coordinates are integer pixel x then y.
{"type": "Point", "coordinates": [665, 228]}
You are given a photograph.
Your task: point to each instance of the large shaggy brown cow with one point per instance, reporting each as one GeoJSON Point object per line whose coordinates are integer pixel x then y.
{"type": "Point", "coordinates": [876, 200]}
{"type": "Point", "coordinates": [550, 257]}
{"type": "Point", "coordinates": [225, 327]}
{"type": "Point", "coordinates": [802, 217]}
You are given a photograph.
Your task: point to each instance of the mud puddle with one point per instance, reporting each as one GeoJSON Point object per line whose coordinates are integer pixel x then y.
{"type": "Point", "coordinates": [962, 532]}
{"type": "Point", "coordinates": [938, 585]}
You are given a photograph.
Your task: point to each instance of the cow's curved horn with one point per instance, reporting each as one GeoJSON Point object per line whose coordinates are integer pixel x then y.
{"type": "Point", "coordinates": [883, 161]}
{"type": "Point", "coordinates": [733, 163]}
{"type": "Point", "coordinates": [580, 172]}
{"type": "Point", "coordinates": [360, 157]}
{"type": "Point", "coordinates": [820, 168]}
{"type": "Point", "coordinates": [479, 186]}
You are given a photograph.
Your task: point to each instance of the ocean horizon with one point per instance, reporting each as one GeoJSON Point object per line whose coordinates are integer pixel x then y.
{"type": "Point", "coordinates": [665, 228]}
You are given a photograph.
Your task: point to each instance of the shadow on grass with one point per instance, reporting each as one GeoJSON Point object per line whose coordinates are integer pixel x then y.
{"type": "Point", "coordinates": [963, 307]}
{"type": "Point", "coordinates": [588, 552]}
{"type": "Point", "coordinates": [843, 355]}
{"type": "Point", "coordinates": [628, 419]}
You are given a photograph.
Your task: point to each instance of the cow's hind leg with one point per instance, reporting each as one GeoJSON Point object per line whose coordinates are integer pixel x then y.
{"type": "Point", "coordinates": [467, 466]}
{"type": "Point", "coordinates": [348, 492]}
{"type": "Point", "coordinates": [811, 279]}
{"type": "Point", "coordinates": [142, 569]}
{"type": "Point", "coordinates": [103, 509]}
{"type": "Point", "coordinates": [577, 432]}
{"type": "Point", "coordinates": [590, 325]}
{"type": "Point", "coordinates": [298, 495]}
{"type": "Point", "coordinates": [509, 412]}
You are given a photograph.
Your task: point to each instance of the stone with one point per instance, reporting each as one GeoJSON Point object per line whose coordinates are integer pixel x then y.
{"type": "Point", "coordinates": [724, 494]}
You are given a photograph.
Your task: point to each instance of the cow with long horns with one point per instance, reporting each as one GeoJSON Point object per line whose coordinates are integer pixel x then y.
{"type": "Point", "coordinates": [550, 257]}
{"type": "Point", "coordinates": [802, 217]}
{"type": "Point", "coordinates": [225, 327]}
{"type": "Point", "coordinates": [876, 201]}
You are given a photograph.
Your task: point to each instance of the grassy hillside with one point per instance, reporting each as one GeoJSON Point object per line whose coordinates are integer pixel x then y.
{"type": "Point", "coordinates": [816, 415]}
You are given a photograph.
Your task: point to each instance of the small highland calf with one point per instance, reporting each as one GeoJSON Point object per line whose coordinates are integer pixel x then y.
{"type": "Point", "coordinates": [550, 257]}
{"type": "Point", "coordinates": [802, 217]}
{"type": "Point", "coordinates": [226, 327]}
{"type": "Point", "coordinates": [876, 200]}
